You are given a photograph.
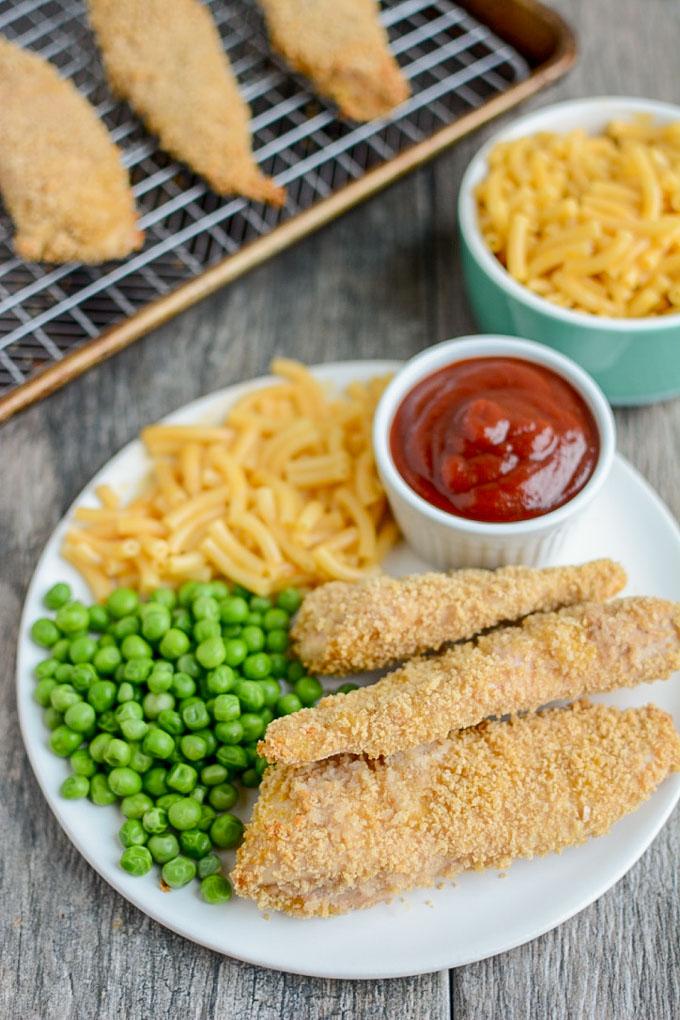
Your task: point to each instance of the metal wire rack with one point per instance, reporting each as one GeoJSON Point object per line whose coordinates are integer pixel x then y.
{"type": "Point", "coordinates": [454, 64]}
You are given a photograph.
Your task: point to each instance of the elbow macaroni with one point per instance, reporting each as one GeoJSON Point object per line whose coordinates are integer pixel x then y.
{"type": "Point", "coordinates": [286, 492]}
{"type": "Point", "coordinates": [591, 223]}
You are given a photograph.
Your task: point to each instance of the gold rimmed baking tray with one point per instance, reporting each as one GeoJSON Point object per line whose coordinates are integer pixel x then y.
{"type": "Point", "coordinates": [466, 62]}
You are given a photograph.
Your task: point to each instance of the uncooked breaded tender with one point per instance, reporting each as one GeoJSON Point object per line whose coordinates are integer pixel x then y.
{"type": "Point", "coordinates": [167, 61]}
{"type": "Point", "coordinates": [346, 833]}
{"type": "Point", "coordinates": [342, 47]}
{"type": "Point", "coordinates": [61, 176]}
{"type": "Point", "coordinates": [345, 628]}
{"type": "Point", "coordinates": [580, 650]}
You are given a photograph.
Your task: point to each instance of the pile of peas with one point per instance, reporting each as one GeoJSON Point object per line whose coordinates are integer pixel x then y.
{"type": "Point", "coordinates": [159, 705]}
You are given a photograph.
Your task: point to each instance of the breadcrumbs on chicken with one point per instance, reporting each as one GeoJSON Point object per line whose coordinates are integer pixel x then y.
{"type": "Point", "coordinates": [342, 47]}
{"type": "Point", "coordinates": [348, 832]}
{"type": "Point", "coordinates": [168, 61]}
{"type": "Point", "coordinates": [61, 177]}
{"type": "Point", "coordinates": [345, 628]}
{"type": "Point", "coordinates": [580, 650]}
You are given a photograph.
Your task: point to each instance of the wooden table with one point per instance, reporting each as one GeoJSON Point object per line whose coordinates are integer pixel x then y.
{"type": "Point", "coordinates": [383, 281]}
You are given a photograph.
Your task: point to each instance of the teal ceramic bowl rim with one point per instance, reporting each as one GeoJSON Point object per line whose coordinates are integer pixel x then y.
{"type": "Point", "coordinates": [592, 113]}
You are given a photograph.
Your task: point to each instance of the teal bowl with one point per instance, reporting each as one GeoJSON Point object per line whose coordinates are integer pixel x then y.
{"type": "Point", "coordinates": [635, 361]}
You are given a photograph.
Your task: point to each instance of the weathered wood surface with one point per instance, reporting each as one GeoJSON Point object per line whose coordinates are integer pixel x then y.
{"type": "Point", "coordinates": [383, 281]}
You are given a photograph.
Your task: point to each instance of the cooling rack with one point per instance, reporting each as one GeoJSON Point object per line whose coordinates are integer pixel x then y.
{"type": "Point", "coordinates": [465, 63]}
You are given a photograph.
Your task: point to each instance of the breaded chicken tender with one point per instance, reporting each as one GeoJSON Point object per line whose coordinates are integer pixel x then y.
{"type": "Point", "coordinates": [580, 650]}
{"type": "Point", "coordinates": [346, 628]}
{"type": "Point", "coordinates": [61, 176]}
{"type": "Point", "coordinates": [342, 47]}
{"type": "Point", "coordinates": [346, 833]}
{"type": "Point", "coordinates": [167, 61]}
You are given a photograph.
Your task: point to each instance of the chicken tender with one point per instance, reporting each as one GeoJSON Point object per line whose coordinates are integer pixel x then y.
{"type": "Point", "coordinates": [167, 61]}
{"type": "Point", "coordinates": [342, 47]}
{"type": "Point", "coordinates": [61, 176]}
{"type": "Point", "coordinates": [346, 628]}
{"type": "Point", "coordinates": [580, 650]}
{"type": "Point", "coordinates": [346, 833]}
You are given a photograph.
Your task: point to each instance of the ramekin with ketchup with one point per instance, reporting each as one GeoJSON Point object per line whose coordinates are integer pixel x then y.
{"type": "Point", "coordinates": [489, 447]}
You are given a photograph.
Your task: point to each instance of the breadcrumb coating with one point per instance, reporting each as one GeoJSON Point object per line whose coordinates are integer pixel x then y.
{"type": "Point", "coordinates": [168, 62]}
{"type": "Point", "coordinates": [348, 628]}
{"type": "Point", "coordinates": [61, 176]}
{"type": "Point", "coordinates": [550, 656]}
{"type": "Point", "coordinates": [342, 47]}
{"type": "Point", "coordinates": [348, 832]}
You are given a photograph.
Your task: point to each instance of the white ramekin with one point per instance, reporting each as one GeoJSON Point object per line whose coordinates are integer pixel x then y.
{"type": "Point", "coordinates": [445, 540]}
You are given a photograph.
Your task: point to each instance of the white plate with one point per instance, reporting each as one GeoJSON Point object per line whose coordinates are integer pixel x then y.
{"type": "Point", "coordinates": [425, 931]}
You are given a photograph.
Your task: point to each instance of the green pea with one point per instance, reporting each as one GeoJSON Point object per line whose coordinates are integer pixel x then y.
{"type": "Point", "coordinates": [132, 833]}
{"type": "Point", "coordinates": [60, 650]}
{"type": "Point", "coordinates": [100, 793]}
{"type": "Point", "coordinates": [134, 729]}
{"type": "Point", "coordinates": [158, 744]}
{"type": "Point", "coordinates": [221, 680]}
{"type": "Point", "coordinates": [125, 781]}
{"type": "Point", "coordinates": [193, 747]}
{"type": "Point", "coordinates": [117, 752]}
{"type": "Point", "coordinates": [75, 787]}
{"type": "Point", "coordinates": [226, 707]}
{"type": "Point", "coordinates": [181, 620]}
{"type": "Point", "coordinates": [233, 610]}
{"type": "Point", "coordinates": [171, 721]}
{"type": "Point", "coordinates": [64, 741]}
{"type": "Point", "coordinates": [136, 860]}
{"type": "Point", "coordinates": [63, 696]}
{"type": "Point", "coordinates": [277, 641]}
{"type": "Point", "coordinates": [107, 721]}
{"type": "Point", "coordinates": [223, 796]}
{"type": "Point", "coordinates": [254, 620]}
{"type": "Point", "coordinates": [210, 741]}
{"type": "Point", "coordinates": [72, 618]}
{"type": "Point", "coordinates": [167, 800]}
{"type": "Point", "coordinates": [106, 641]}
{"type": "Point", "coordinates": [261, 765]}
{"type": "Point", "coordinates": [46, 669]}
{"type": "Point", "coordinates": [99, 618]}
{"type": "Point", "coordinates": [57, 596]}
{"type": "Point", "coordinates": [211, 653]}
{"type": "Point", "coordinates": [226, 831]}
{"type": "Point", "coordinates": [163, 846]}
{"type": "Point", "coordinates": [233, 631]}
{"type": "Point", "coordinates": [308, 690]}
{"type": "Point", "coordinates": [80, 717]}
{"type": "Point", "coordinates": [195, 715]}
{"type": "Point", "coordinates": [52, 718]}
{"type": "Point", "coordinates": [182, 777]}
{"type": "Point", "coordinates": [185, 813]}
{"type": "Point", "coordinates": [287, 704]}
{"type": "Point", "coordinates": [235, 651]}
{"type": "Point", "coordinates": [45, 633]}
{"type": "Point", "coordinates": [82, 763]}
{"type": "Point", "coordinates": [250, 778]}
{"type": "Point", "coordinates": [63, 673]}
{"type": "Point", "coordinates": [174, 643]}
{"type": "Point", "coordinates": [294, 672]}
{"type": "Point", "coordinates": [208, 816]}
{"type": "Point", "coordinates": [253, 638]}
{"type": "Point", "coordinates": [82, 650]}
{"type": "Point", "coordinates": [129, 710]}
{"type": "Point", "coordinates": [271, 691]}
{"type": "Point", "coordinates": [289, 599]}
{"type": "Point", "coordinates": [208, 865]}
{"type": "Point", "coordinates": [206, 629]}
{"type": "Point", "coordinates": [154, 704]}
{"type": "Point", "coordinates": [83, 676]}
{"type": "Point", "coordinates": [136, 805]}
{"type": "Point", "coordinates": [155, 820]}
{"type": "Point", "coordinates": [164, 597]}
{"type": "Point", "coordinates": [125, 626]}
{"type": "Point", "coordinates": [250, 695]}
{"type": "Point", "coordinates": [102, 695]}
{"type": "Point", "coordinates": [122, 602]}
{"type": "Point", "coordinates": [232, 757]}
{"type": "Point", "coordinates": [257, 666]}
{"type": "Point", "coordinates": [229, 732]}
{"type": "Point", "coordinates": [159, 682]}
{"type": "Point", "coordinates": [276, 619]}
{"type": "Point", "coordinates": [106, 660]}
{"type": "Point", "coordinates": [195, 843]}
{"type": "Point", "coordinates": [154, 782]}
{"type": "Point", "coordinates": [98, 746]}
{"type": "Point", "coordinates": [178, 872]}
{"type": "Point", "coordinates": [213, 774]}
{"type": "Point", "coordinates": [347, 688]}
{"type": "Point", "coordinates": [43, 690]}
{"type": "Point", "coordinates": [183, 685]}
{"type": "Point", "coordinates": [253, 726]}
{"type": "Point", "coordinates": [156, 624]}
{"type": "Point", "coordinates": [205, 608]}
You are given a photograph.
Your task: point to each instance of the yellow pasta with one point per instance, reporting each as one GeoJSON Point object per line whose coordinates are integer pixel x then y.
{"type": "Point", "coordinates": [590, 223]}
{"type": "Point", "coordinates": [284, 492]}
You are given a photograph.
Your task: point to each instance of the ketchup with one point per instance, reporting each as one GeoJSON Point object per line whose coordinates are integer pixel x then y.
{"type": "Point", "coordinates": [495, 439]}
